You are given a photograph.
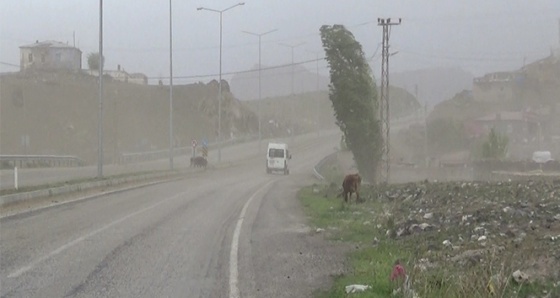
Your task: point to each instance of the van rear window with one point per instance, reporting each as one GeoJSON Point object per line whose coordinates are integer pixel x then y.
{"type": "Point", "coordinates": [276, 153]}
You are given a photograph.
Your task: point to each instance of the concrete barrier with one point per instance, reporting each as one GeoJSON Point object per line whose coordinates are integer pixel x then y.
{"type": "Point", "coordinates": [53, 191]}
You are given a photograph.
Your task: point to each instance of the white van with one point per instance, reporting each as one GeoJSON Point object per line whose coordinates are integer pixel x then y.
{"type": "Point", "coordinates": [277, 156]}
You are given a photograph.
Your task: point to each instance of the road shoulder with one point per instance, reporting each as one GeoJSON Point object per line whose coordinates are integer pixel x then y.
{"type": "Point", "coordinates": [281, 255]}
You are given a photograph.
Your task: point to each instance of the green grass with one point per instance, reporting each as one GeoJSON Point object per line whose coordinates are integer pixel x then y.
{"type": "Point", "coordinates": [371, 264]}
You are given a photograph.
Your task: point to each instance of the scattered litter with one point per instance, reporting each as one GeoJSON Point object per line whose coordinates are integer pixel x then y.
{"type": "Point", "coordinates": [520, 276]}
{"type": "Point", "coordinates": [356, 288]}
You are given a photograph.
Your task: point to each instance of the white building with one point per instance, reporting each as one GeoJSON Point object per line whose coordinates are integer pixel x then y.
{"type": "Point", "coordinates": [50, 55]}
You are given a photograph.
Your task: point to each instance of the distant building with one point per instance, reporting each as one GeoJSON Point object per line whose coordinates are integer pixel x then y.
{"type": "Point", "coordinates": [138, 78]}
{"type": "Point", "coordinates": [497, 86]}
{"type": "Point", "coordinates": [518, 126]}
{"type": "Point", "coordinates": [50, 55]}
{"type": "Point", "coordinates": [121, 75]}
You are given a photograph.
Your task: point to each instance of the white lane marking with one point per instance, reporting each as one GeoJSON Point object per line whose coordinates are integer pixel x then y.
{"type": "Point", "coordinates": [234, 253]}
{"type": "Point", "coordinates": [35, 262]}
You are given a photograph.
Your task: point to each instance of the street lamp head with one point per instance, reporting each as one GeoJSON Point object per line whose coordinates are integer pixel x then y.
{"type": "Point", "coordinates": [199, 8]}
{"type": "Point", "coordinates": [241, 3]}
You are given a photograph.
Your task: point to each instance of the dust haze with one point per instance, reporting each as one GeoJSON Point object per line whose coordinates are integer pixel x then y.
{"type": "Point", "coordinates": [457, 71]}
{"type": "Point", "coordinates": [205, 150]}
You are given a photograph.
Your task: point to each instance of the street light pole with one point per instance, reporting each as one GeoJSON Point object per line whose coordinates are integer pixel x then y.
{"type": "Point", "coordinates": [292, 94]}
{"type": "Point", "coordinates": [170, 87]}
{"type": "Point", "coordinates": [317, 91]}
{"type": "Point", "coordinates": [100, 98]}
{"type": "Point", "coordinates": [220, 77]}
{"type": "Point", "coordinates": [259, 35]}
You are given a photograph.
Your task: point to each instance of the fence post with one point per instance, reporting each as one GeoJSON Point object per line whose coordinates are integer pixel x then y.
{"type": "Point", "coordinates": [15, 178]}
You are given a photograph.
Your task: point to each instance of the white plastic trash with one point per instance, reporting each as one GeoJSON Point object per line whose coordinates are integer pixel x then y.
{"type": "Point", "coordinates": [356, 288]}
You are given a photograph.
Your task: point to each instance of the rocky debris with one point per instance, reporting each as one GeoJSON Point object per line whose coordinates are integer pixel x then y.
{"type": "Point", "coordinates": [520, 276]}
{"type": "Point", "coordinates": [474, 223]}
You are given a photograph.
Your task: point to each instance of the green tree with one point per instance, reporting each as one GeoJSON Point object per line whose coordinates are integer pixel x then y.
{"type": "Point", "coordinates": [495, 147]}
{"type": "Point", "coordinates": [446, 135]}
{"type": "Point", "coordinates": [93, 61]}
{"type": "Point", "coordinates": [353, 94]}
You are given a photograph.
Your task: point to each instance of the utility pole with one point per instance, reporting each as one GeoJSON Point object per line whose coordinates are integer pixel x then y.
{"type": "Point", "coordinates": [220, 97]}
{"type": "Point", "coordinates": [100, 98]}
{"type": "Point", "coordinates": [384, 101]}
{"type": "Point", "coordinates": [317, 124]}
{"type": "Point", "coordinates": [292, 93]}
{"type": "Point", "coordinates": [259, 35]}
{"type": "Point", "coordinates": [416, 96]}
{"type": "Point", "coordinates": [426, 134]}
{"type": "Point", "coordinates": [317, 94]}
{"type": "Point", "coordinates": [170, 87]}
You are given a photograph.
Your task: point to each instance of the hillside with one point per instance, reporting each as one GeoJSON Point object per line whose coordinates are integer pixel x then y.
{"type": "Point", "coordinates": [434, 85]}
{"type": "Point", "coordinates": [276, 82]}
{"type": "Point", "coordinates": [306, 111]}
{"type": "Point", "coordinates": [58, 114]}
{"type": "Point", "coordinates": [402, 102]}
{"type": "Point", "coordinates": [310, 109]}
{"type": "Point", "coordinates": [463, 107]}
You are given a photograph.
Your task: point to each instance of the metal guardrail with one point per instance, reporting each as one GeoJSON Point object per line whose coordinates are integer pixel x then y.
{"type": "Point", "coordinates": [132, 157]}
{"type": "Point", "coordinates": [35, 161]}
{"type": "Point", "coordinates": [320, 164]}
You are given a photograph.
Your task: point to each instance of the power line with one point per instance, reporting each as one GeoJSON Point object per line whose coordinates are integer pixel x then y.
{"type": "Point", "coordinates": [9, 64]}
{"type": "Point", "coordinates": [461, 58]}
{"type": "Point", "coordinates": [240, 71]}
{"type": "Point", "coordinates": [231, 46]}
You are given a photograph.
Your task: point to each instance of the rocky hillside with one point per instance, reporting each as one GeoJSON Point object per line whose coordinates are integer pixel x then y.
{"type": "Point", "coordinates": [276, 82]}
{"type": "Point", "coordinates": [56, 113]}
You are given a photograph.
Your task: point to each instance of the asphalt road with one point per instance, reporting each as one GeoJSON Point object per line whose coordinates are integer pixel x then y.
{"type": "Point", "coordinates": [41, 176]}
{"type": "Point", "coordinates": [227, 232]}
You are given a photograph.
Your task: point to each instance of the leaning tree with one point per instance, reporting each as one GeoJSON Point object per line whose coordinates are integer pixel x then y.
{"type": "Point", "coordinates": [353, 94]}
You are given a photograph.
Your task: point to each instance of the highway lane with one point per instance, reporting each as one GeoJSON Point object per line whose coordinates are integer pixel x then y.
{"type": "Point", "coordinates": [39, 176]}
{"type": "Point", "coordinates": [29, 177]}
{"type": "Point", "coordinates": [210, 235]}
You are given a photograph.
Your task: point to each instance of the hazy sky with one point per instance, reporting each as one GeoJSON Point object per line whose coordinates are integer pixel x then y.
{"type": "Point", "coordinates": [477, 35]}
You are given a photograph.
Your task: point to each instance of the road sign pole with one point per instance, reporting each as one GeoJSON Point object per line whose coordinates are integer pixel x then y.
{"type": "Point", "coordinates": [194, 143]}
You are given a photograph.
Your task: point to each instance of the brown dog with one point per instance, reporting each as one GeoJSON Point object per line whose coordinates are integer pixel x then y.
{"type": "Point", "coordinates": [351, 184]}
